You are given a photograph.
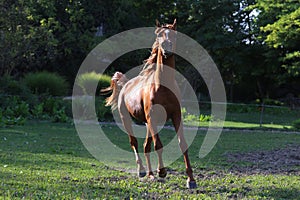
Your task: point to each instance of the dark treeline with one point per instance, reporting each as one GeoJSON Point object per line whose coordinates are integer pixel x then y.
{"type": "Point", "coordinates": [255, 43]}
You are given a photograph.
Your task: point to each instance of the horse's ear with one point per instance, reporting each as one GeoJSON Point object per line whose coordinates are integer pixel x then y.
{"type": "Point", "coordinates": [174, 24]}
{"type": "Point", "coordinates": [157, 23]}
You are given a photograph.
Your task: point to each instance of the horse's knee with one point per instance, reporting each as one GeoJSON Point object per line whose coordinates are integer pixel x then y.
{"type": "Point", "coordinates": [158, 146]}
{"type": "Point", "coordinates": [147, 146]}
{"type": "Point", "coordinates": [133, 141]}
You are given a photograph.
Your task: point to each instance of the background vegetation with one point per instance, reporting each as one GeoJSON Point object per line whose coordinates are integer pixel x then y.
{"type": "Point", "coordinates": [253, 42]}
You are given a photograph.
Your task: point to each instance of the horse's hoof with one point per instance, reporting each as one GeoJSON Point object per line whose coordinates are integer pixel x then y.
{"type": "Point", "coordinates": [142, 174]}
{"type": "Point", "coordinates": [162, 173]}
{"type": "Point", "coordinates": [151, 177]}
{"type": "Point", "coordinates": [191, 184]}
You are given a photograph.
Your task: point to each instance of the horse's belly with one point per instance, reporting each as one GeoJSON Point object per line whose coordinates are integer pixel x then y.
{"type": "Point", "coordinates": [135, 108]}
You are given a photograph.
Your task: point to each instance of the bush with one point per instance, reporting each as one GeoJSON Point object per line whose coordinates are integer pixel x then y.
{"type": "Point", "coordinates": [296, 124]}
{"type": "Point", "coordinates": [9, 86]}
{"type": "Point", "coordinates": [271, 102]}
{"type": "Point", "coordinates": [103, 112]}
{"type": "Point", "coordinates": [13, 111]}
{"type": "Point", "coordinates": [84, 108]}
{"type": "Point", "coordinates": [37, 112]}
{"type": "Point", "coordinates": [46, 83]}
{"type": "Point", "coordinates": [54, 109]}
{"type": "Point", "coordinates": [60, 116]}
{"type": "Point", "coordinates": [87, 82]}
{"type": "Point", "coordinates": [187, 117]}
{"type": "Point", "coordinates": [12, 87]}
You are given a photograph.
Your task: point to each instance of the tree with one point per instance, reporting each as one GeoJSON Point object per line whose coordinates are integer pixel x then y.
{"type": "Point", "coordinates": [279, 23]}
{"type": "Point", "coordinates": [225, 29]}
{"type": "Point", "coordinates": [56, 35]}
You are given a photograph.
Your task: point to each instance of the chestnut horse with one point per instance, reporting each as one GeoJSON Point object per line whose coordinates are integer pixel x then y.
{"type": "Point", "coordinates": [151, 96]}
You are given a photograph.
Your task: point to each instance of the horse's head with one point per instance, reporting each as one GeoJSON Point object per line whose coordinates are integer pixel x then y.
{"type": "Point", "coordinates": [166, 37]}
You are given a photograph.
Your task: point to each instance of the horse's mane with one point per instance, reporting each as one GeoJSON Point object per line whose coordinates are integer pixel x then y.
{"type": "Point", "coordinates": [150, 63]}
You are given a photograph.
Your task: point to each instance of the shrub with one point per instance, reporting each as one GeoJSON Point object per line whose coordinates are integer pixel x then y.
{"type": "Point", "coordinates": [46, 83]}
{"type": "Point", "coordinates": [187, 117]}
{"type": "Point", "coordinates": [205, 118]}
{"type": "Point", "coordinates": [87, 82]}
{"type": "Point", "coordinates": [83, 107]}
{"type": "Point", "coordinates": [51, 108]}
{"type": "Point", "coordinates": [273, 102]}
{"type": "Point", "coordinates": [104, 113]}
{"type": "Point", "coordinates": [37, 112]}
{"type": "Point", "coordinates": [60, 116]}
{"type": "Point", "coordinates": [296, 124]}
{"type": "Point", "coordinates": [12, 87]}
{"type": "Point", "coordinates": [13, 111]}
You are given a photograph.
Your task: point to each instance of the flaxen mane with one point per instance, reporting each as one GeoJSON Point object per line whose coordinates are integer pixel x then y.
{"type": "Point", "coordinates": [150, 63]}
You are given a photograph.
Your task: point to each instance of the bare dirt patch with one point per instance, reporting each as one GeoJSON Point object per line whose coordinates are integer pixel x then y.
{"type": "Point", "coordinates": [284, 160]}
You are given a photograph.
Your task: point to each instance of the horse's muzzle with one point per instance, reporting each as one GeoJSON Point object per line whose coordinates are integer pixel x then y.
{"type": "Point", "coordinates": [168, 54]}
{"type": "Point", "coordinates": [167, 47]}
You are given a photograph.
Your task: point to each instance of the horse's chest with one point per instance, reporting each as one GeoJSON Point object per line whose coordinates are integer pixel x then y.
{"type": "Point", "coordinates": [164, 96]}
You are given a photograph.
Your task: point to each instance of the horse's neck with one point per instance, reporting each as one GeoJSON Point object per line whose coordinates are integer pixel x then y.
{"type": "Point", "coordinates": [165, 71]}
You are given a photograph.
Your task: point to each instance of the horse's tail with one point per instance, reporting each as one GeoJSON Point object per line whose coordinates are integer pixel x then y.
{"type": "Point", "coordinates": [116, 84]}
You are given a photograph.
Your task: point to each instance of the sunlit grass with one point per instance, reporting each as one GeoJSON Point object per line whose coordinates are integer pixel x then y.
{"type": "Point", "coordinates": [48, 161]}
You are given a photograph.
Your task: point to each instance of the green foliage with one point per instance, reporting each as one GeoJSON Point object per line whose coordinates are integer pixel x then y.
{"type": "Point", "coordinates": [296, 124]}
{"type": "Point", "coordinates": [85, 109]}
{"type": "Point", "coordinates": [60, 116]}
{"type": "Point", "coordinates": [37, 112]}
{"type": "Point", "coordinates": [12, 87]}
{"type": "Point", "coordinates": [89, 80]}
{"type": "Point", "coordinates": [103, 112]}
{"type": "Point", "coordinates": [191, 118]}
{"type": "Point", "coordinates": [54, 109]}
{"type": "Point", "coordinates": [51, 34]}
{"type": "Point", "coordinates": [14, 111]}
{"type": "Point", "coordinates": [271, 102]}
{"type": "Point", "coordinates": [279, 23]}
{"type": "Point", "coordinates": [46, 83]}
{"type": "Point", "coordinates": [254, 43]}
{"type": "Point", "coordinates": [205, 118]}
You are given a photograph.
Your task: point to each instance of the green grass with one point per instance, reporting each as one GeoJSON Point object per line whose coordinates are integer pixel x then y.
{"type": "Point", "coordinates": [48, 161]}
{"type": "Point", "coordinates": [271, 119]}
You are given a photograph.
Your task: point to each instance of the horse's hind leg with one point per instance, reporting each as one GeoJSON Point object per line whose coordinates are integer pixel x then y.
{"type": "Point", "coordinates": [126, 119]}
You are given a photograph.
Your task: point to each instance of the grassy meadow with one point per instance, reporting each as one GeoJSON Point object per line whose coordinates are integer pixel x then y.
{"type": "Point", "coordinates": [43, 160]}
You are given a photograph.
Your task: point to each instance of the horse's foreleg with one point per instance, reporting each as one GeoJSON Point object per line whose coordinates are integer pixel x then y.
{"type": "Point", "coordinates": [147, 151]}
{"type": "Point", "coordinates": [177, 122]}
{"type": "Point", "coordinates": [158, 147]}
